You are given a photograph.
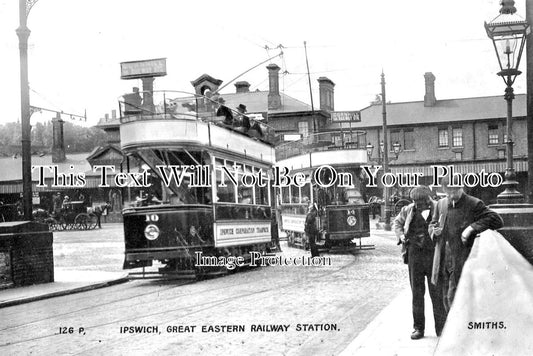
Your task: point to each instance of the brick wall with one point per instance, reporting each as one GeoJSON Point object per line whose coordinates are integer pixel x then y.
{"type": "Point", "coordinates": [30, 250]}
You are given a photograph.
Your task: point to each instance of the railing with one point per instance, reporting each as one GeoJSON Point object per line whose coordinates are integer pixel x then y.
{"type": "Point", "coordinates": [322, 141]}
{"type": "Point", "coordinates": [173, 104]}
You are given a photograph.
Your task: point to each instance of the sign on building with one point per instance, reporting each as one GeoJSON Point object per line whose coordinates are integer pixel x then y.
{"type": "Point", "coordinates": [345, 116]}
{"type": "Point", "coordinates": [142, 69]}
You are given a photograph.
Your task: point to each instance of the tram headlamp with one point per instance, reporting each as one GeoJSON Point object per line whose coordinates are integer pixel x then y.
{"type": "Point", "coordinates": [351, 220]}
{"type": "Point", "coordinates": [151, 232]}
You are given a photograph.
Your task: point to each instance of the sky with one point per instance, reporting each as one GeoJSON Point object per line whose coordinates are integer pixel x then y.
{"type": "Point", "coordinates": [76, 46]}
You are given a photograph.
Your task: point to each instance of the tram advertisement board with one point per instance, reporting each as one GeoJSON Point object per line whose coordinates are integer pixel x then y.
{"type": "Point", "coordinates": [293, 222]}
{"type": "Point", "coordinates": [228, 234]}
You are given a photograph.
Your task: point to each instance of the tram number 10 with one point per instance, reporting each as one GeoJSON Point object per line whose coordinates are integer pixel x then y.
{"type": "Point", "coordinates": [152, 218]}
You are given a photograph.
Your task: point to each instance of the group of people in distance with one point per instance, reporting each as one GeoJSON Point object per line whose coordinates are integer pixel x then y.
{"type": "Point", "coordinates": [436, 239]}
{"type": "Point", "coordinates": [241, 122]}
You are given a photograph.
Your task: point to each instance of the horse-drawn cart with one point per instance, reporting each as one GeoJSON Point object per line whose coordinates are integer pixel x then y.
{"type": "Point", "coordinates": [73, 215]}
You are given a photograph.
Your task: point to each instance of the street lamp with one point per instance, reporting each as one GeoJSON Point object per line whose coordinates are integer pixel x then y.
{"type": "Point", "coordinates": [508, 33]}
{"type": "Point", "coordinates": [23, 32]}
{"type": "Point", "coordinates": [396, 149]}
{"type": "Point", "coordinates": [384, 160]}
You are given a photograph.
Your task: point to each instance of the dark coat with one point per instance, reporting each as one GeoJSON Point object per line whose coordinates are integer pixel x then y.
{"type": "Point", "coordinates": [226, 112]}
{"type": "Point", "coordinates": [310, 224]}
{"type": "Point", "coordinates": [454, 218]}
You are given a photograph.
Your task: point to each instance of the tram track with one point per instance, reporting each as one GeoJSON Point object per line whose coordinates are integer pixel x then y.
{"type": "Point", "coordinates": [191, 310]}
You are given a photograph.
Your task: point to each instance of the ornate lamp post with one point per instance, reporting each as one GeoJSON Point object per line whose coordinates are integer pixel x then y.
{"type": "Point", "coordinates": [23, 32]}
{"type": "Point", "coordinates": [508, 33]}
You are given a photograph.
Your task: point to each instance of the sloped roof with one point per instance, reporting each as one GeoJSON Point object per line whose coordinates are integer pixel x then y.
{"type": "Point", "coordinates": [257, 101]}
{"type": "Point", "coordinates": [450, 110]}
{"type": "Point", "coordinates": [12, 167]}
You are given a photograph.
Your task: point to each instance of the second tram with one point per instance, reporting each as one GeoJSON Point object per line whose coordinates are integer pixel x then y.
{"type": "Point", "coordinates": [334, 183]}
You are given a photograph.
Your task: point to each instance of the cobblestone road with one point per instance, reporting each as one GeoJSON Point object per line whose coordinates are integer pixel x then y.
{"type": "Point", "coordinates": [346, 295]}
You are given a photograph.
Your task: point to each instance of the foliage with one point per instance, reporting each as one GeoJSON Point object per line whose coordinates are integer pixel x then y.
{"type": "Point", "coordinates": [77, 138]}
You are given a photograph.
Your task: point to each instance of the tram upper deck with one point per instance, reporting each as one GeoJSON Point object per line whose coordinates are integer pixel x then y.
{"type": "Point", "coordinates": [323, 148]}
{"type": "Point", "coordinates": [192, 122]}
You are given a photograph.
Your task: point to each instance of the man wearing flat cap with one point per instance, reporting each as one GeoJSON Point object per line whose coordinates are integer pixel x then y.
{"type": "Point", "coordinates": [411, 228]}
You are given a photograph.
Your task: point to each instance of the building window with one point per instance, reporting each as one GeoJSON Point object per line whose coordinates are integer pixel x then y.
{"type": "Point", "coordinates": [458, 156]}
{"type": "Point", "coordinates": [443, 137]}
{"type": "Point", "coordinates": [409, 139]}
{"type": "Point", "coordinates": [394, 137]}
{"type": "Point", "coordinates": [361, 139]}
{"type": "Point", "coordinates": [457, 137]}
{"type": "Point", "coordinates": [494, 135]}
{"type": "Point", "coordinates": [303, 128]}
{"type": "Point", "coordinates": [501, 153]}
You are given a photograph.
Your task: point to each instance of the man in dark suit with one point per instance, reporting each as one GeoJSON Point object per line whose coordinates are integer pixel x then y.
{"type": "Point", "coordinates": [311, 230]}
{"type": "Point", "coordinates": [411, 228]}
{"type": "Point", "coordinates": [224, 111]}
{"type": "Point", "coordinates": [457, 220]}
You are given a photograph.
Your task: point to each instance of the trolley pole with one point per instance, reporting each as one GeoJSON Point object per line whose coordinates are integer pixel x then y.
{"type": "Point", "coordinates": [387, 209]}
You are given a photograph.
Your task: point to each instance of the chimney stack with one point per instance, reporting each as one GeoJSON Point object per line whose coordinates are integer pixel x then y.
{"type": "Point", "coordinates": [325, 88]}
{"type": "Point", "coordinates": [242, 87]}
{"type": "Point", "coordinates": [274, 99]}
{"type": "Point", "coordinates": [58, 147]}
{"type": "Point", "coordinates": [429, 97]}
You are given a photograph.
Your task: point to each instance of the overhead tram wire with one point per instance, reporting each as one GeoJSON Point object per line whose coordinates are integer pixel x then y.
{"type": "Point", "coordinates": [246, 71]}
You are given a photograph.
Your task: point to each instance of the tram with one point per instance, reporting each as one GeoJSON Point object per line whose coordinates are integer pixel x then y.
{"type": "Point", "coordinates": [333, 181]}
{"type": "Point", "coordinates": [207, 191]}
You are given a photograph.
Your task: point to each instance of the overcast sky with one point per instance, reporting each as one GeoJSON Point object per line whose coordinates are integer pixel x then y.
{"type": "Point", "coordinates": [76, 46]}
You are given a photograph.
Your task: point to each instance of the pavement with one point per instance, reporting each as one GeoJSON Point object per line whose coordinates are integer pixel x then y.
{"type": "Point", "coordinates": [66, 282]}
{"type": "Point", "coordinates": [388, 334]}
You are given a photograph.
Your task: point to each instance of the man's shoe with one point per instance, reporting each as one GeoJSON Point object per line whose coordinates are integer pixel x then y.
{"type": "Point", "coordinates": [417, 334]}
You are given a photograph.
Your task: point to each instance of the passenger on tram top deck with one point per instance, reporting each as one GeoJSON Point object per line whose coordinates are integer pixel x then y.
{"type": "Point", "coordinates": [224, 111]}
{"type": "Point", "coordinates": [245, 120]}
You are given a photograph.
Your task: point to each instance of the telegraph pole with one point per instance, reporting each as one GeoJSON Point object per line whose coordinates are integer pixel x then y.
{"type": "Point", "coordinates": [23, 32]}
{"type": "Point", "coordinates": [529, 112]}
{"type": "Point", "coordinates": [385, 154]}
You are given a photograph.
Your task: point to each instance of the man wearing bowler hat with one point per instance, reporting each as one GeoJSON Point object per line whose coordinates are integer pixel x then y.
{"type": "Point", "coordinates": [245, 120]}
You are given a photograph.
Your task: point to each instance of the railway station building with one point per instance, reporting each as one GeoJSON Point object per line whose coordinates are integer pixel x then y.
{"type": "Point", "coordinates": [468, 133]}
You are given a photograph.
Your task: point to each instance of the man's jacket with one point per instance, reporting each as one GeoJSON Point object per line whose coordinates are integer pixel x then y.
{"type": "Point", "coordinates": [454, 218]}
{"type": "Point", "coordinates": [405, 217]}
{"type": "Point", "coordinates": [402, 223]}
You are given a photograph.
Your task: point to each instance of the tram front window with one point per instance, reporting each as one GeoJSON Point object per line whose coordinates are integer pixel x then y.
{"type": "Point", "coordinates": [261, 193]}
{"type": "Point", "coordinates": [226, 191]}
{"type": "Point", "coordinates": [171, 176]}
{"type": "Point", "coordinates": [245, 194]}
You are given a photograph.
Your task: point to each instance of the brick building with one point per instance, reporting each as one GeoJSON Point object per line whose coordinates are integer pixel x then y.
{"type": "Point", "coordinates": [468, 133]}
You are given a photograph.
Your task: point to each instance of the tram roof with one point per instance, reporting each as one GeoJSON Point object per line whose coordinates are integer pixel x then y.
{"type": "Point", "coordinates": [342, 157]}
